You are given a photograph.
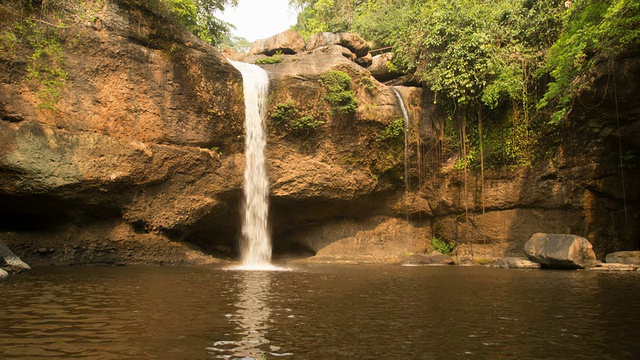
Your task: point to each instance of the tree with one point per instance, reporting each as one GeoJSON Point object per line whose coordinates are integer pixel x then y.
{"type": "Point", "coordinates": [197, 16]}
{"type": "Point", "coordinates": [592, 29]}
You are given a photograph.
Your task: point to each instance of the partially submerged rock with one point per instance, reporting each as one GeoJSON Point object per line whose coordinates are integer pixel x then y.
{"type": "Point", "coordinates": [3, 275]}
{"type": "Point", "coordinates": [614, 267]}
{"type": "Point", "coordinates": [9, 260]}
{"type": "Point", "coordinates": [516, 263]}
{"type": "Point", "coordinates": [624, 257]}
{"type": "Point", "coordinates": [560, 251]}
{"type": "Point", "coordinates": [434, 258]}
{"type": "Point", "coordinates": [288, 42]}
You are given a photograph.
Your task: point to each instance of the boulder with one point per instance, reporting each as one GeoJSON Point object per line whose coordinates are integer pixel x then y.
{"type": "Point", "coordinates": [364, 61]}
{"type": "Point", "coordinates": [560, 251]}
{"type": "Point", "coordinates": [614, 267]}
{"type": "Point", "coordinates": [288, 42]}
{"type": "Point", "coordinates": [624, 257]}
{"type": "Point", "coordinates": [335, 49]}
{"type": "Point", "coordinates": [353, 42]}
{"type": "Point", "coordinates": [10, 260]}
{"type": "Point", "coordinates": [3, 275]}
{"type": "Point", "coordinates": [380, 67]}
{"type": "Point", "coordinates": [516, 263]}
{"type": "Point", "coordinates": [434, 258]}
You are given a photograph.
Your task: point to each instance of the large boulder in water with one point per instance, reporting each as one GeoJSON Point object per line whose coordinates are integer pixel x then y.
{"type": "Point", "coordinates": [288, 42]}
{"type": "Point", "coordinates": [560, 251]}
{"type": "Point", "coordinates": [3, 275]}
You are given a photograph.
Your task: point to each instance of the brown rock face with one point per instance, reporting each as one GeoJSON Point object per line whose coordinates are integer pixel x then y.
{"type": "Point", "coordinates": [339, 170]}
{"type": "Point", "coordinates": [288, 42]}
{"type": "Point", "coordinates": [131, 136]}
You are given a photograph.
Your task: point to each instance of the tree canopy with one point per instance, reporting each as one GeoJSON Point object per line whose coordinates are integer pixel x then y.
{"type": "Point", "coordinates": [197, 16]}
{"type": "Point", "coordinates": [487, 52]}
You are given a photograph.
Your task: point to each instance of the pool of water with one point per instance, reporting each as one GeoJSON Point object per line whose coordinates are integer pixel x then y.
{"type": "Point", "coordinates": [319, 312]}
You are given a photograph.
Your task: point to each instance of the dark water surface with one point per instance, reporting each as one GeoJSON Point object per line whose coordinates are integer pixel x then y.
{"type": "Point", "coordinates": [319, 312]}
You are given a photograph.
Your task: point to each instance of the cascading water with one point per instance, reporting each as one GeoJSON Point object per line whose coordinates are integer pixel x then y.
{"type": "Point", "coordinates": [405, 116]}
{"type": "Point", "coordinates": [256, 240]}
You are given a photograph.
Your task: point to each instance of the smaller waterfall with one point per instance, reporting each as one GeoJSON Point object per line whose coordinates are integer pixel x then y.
{"type": "Point", "coordinates": [256, 240]}
{"type": "Point", "coordinates": [405, 115]}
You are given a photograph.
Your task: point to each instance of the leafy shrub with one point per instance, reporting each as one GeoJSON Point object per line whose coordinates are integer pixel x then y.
{"type": "Point", "coordinates": [284, 112]}
{"type": "Point", "coordinates": [441, 246]}
{"type": "Point", "coordinates": [368, 84]}
{"type": "Point", "coordinates": [395, 130]}
{"type": "Point", "coordinates": [305, 124]}
{"type": "Point", "coordinates": [338, 85]}
{"type": "Point", "coordinates": [269, 60]}
{"type": "Point", "coordinates": [287, 115]}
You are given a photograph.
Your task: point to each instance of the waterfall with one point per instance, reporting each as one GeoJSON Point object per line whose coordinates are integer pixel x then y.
{"type": "Point", "coordinates": [256, 240]}
{"type": "Point", "coordinates": [405, 116]}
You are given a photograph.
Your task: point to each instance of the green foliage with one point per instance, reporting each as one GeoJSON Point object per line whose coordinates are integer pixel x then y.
{"type": "Point", "coordinates": [367, 83]}
{"type": "Point", "coordinates": [441, 246]}
{"type": "Point", "coordinates": [284, 112]}
{"type": "Point", "coordinates": [592, 28]}
{"type": "Point", "coordinates": [320, 15]}
{"type": "Point", "coordinates": [288, 116]}
{"type": "Point", "coordinates": [46, 66]}
{"type": "Point", "coordinates": [395, 130]}
{"type": "Point", "coordinates": [338, 85]}
{"type": "Point", "coordinates": [197, 16]}
{"type": "Point", "coordinates": [305, 124]}
{"type": "Point", "coordinates": [45, 60]}
{"type": "Point", "coordinates": [8, 41]}
{"type": "Point", "coordinates": [236, 43]}
{"type": "Point", "coordinates": [275, 59]}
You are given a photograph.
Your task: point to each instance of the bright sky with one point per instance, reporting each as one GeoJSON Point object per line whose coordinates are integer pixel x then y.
{"type": "Point", "coordinates": [260, 19]}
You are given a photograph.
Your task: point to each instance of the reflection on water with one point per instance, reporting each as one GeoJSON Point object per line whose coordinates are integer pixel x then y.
{"type": "Point", "coordinates": [322, 312]}
{"type": "Point", "coordinates": [251, 319]}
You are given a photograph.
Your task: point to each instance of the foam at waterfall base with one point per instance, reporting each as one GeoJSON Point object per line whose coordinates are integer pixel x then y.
{"type": "Point", "coordinates": [258, 267]}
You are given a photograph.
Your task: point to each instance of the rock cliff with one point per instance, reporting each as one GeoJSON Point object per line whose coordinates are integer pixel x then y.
{"type": "Point", "coordinates": [140, 160]}
{"type": "Point", "coordinates": [144, 145]}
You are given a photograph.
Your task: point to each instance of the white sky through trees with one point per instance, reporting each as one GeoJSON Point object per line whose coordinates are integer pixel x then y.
{"type": "Point", "coordinates": [259, 19]}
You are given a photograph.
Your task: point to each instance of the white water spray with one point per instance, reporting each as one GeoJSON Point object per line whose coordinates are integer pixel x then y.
{"type": "Point", "coordinates": [405, 116]}
{"type": "Point", "coordinates": [256, 240]}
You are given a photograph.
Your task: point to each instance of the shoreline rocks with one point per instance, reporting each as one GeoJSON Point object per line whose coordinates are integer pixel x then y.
{"type": "Point", "coordinates": [516, 263]}
{"type": "Point", "coordinates": [560, 251]}
{"type": "Point", "coordinates": [624, 257]}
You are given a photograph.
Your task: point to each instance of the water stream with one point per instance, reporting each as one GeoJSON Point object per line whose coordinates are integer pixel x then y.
{"type": "Point", "coordinates": [256, 240]}
{"type": "Point", "coordinates": [405, 116]}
